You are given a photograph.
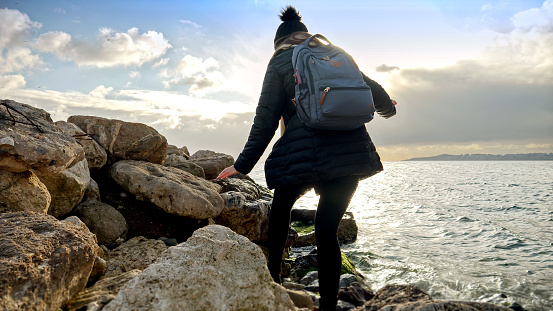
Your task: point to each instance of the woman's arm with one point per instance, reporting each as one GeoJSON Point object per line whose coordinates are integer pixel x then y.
{"type": "Point", "coordinates": [267, 116]}
{"type": "Point", "coordinates": [384, 105]}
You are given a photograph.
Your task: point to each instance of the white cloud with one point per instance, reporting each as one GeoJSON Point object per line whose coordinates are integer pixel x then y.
{"type": "Point", "coordinates": [14, 28]}
{"type": "Point", "coordinates": [11, 82]}
{"type": "Point", "coordinates": [161, 62]}
{"type": "Point", "coordinates": [109, 50]}
{"type": "Point", "coordinates": [135, 75]}
{"type": "Point", "coordinates": [101, 91]}
{"type": "Point", "coordinates": [191, 23]}
{"type": "Point", "coordinates": [201, 75]}
{"type": "Point", "coordinates": [540, 19]}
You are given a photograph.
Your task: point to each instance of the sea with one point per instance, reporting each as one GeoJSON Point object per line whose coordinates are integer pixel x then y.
{"type": "Point", "coordinates": [460, 230]}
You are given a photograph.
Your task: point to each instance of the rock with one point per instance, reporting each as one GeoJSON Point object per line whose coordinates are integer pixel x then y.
{"type": "Point", "coordinates": [216, 269]}
{"type": "Point", "coordinates": [103, 220]}
{"type": "Point", "coordinates": [170, 189]}
{"type": "Point", "coordinates": [43, 262]}
{"type": "Point", "coordinates": [247, 218]}
{"type": "Point", "coordinates": [25, 147]}
{"type": "Point", "coordinates": [181, 152]}
{"type": "Point", "coordinates": [124, 140]}
{"type": "Point", "coordinates": [182, 163]}
{"type": "Point", "coordinates": [144, 218]}
{"type": "Point", "coordinates": [347, 279]}
{"type": "Point", "coordinates": [309, 278]}
{"type": "Point", "coordinates": [67, 188]}
{"type": "Point", "coordinates": [304, 264]}
{"type": "Point", "coordinates": [23, 192]}
{"type": "Point", "coordinates": [355, 293]}
{"type": "Point", "coordinates": [136, 253]}
{"type": "Point", "coordinates": [212, 162]}
{"type": "Point", "coordinates": [97, 296]}
{"type": "Point", "coordinates": [344, 306]}
{"type": "Point", "coordinates": [396, 295]}
{"type": "Point", "coordinates": [347, 232]}
{"type": "Point", "coordinates": [98, 270]}
{"type": "Point", "coordinates": [95, 155]}
{"type": "Point", "coordinates": [92, 192]}
{"type": "Point", "coordinates": [300, 299]}
{"type": "Point", "coordinates": [244, 186]}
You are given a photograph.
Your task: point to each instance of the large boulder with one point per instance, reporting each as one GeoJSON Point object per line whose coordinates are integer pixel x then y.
{"type": "Point", "coordinates": [216, 269]}
{"type": "Point", "coordinates": [43, 262]}
{"type": "Point", "coordinates": [67, 188]}
{"type": "Point", "coordinates": [182, 152]}
{"type": "Point", "coordinates": [170, 189]}
{"type": "Point", "coordinates": [103, 220]}
{"type": "Point", "coordinates": [124, 140]}
{"type": "Point", "coordinates": [249, 218]}
{"type": "Point", "coordinates": [212, 162]}
{"type": "Point", "coordinates": [136, 253]}
{"type": "Point", "coordinates": [43, 148]}
{"type": "Point", "coordinates": [182, 163]}
{"type": "Point", "coordinates": [244, 185]}
{"type": "Point", "coordinates": [23, 192]}
{"type": "Point", "coordinates": [95, 155]}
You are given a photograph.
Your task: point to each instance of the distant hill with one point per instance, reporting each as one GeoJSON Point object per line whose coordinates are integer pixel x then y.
{"type": "Point", "coordinates": [488, 157]}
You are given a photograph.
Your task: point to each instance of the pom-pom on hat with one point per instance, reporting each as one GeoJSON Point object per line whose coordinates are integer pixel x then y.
{"type": "Point", "coordinates": [291, 22]}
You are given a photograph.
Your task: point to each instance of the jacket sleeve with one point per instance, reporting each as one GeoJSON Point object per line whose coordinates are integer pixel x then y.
{"type": "Point", "coordinates": [382, 101]}
{"type": "Point", "coordinates": [265, 123]}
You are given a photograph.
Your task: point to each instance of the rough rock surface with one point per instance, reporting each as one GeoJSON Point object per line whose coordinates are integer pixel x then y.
{"type": "Point", "coordinates": [216, 269]}
{"type": "Point", "coordinates": [92, 192]}
{"type": "Point", "coordinates": [103, 220]}
{"type": "Point", "coordinates": [95, 155]}
{"type": "Point", "coordinates": [23, 192]}
{"type": "Point", "coordinates": [124, 140]}
{"type": "Point", "coordinates": [43, 262]}
{"type": "Point", "coordinates": [136, 253]}
{"type": "Point", "coordinates": [212, 162]}
{"type": "Point", "coordinates": [182, 163]}
{"type": "Point", "coordinates": [245, 186]}
{"type": "Point", "coordinates": [183, 152]}
{"type": "Point", "coordinates": [247, 218]}
{"type": "Point", "coordinates": [172, 190]}
{"type": "Point", "coordinates": [24, 147]}
{"type": "Point", "coordinates": [101, 293]}
{"type": "Point", "coordinates": [67, 188]}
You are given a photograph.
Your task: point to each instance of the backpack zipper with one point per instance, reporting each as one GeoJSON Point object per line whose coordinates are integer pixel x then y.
{"type": "Point", "coordinates": [341, 88]}
{"type": "Point", "coordinates": [324, 94]}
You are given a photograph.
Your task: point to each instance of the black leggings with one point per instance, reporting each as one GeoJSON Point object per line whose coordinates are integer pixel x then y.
{"type": "Point", "coordinates": [335, 196]}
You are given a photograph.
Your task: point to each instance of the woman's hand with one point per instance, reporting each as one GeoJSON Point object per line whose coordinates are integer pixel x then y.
{"type": "Point", "coordinates": [229, 171]}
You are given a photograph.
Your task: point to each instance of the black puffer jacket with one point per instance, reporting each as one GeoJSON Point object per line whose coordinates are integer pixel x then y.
{"type": "Point", "coordinates": [303, 154]}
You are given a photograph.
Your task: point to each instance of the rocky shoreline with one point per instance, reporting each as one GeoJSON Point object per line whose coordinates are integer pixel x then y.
{"type": "Point", "coordinates": [99, 214]}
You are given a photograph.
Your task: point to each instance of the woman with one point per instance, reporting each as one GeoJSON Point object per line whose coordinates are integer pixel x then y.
{"type": "Point", "coordinates": [331, 162]}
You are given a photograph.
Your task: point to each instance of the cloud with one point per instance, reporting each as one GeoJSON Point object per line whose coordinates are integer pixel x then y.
{"type": "Point", "coordinates": [109, 50]}
{"type": "Point", "coordinates": [15, 55]}
{"type": "Point", "coordinates": [191, 23]}
{"type": "Point", "coordinates": [386, 68]}
{"type": "Point", "coordinates": [11, 82]}
{"type": "Point", "coordinates": [540, 19]}
{"type": "Point", "coordinates": [135, 75]}
{"type": "Point", "coordinates": [201, 75]}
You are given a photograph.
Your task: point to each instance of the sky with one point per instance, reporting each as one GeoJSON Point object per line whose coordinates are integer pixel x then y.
{"type": "Point", "coordinates": [470, 76]}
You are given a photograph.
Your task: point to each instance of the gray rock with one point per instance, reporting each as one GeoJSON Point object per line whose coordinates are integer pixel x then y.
{"type": "Point", "coordinates": [95, 155]}
{"type": "Point", "coordinates": [245, 186]}
{"type": "Point", "coordinates": [347, 231]}
{"type": "Point", "coordinates": [44, 262]}
{"type": "Point", "coordinates": [103, 220]}
{"type": "Point", "coordinates": [301, 299]}
{"type": "Point", "coordinates": [309, 278]}
{"type": "Point", "coordinates": [247, 218]}
{"type": "Point", "coordinates": [212, 162]}
{"type": "Point", "coordinates": [23, 192]}
{"type": "Point", "coordinates": [92, 192]}
{"type": "Point", "coordinates": [124, 140]}
{"type": "Point", "coordinates": [26, 148]}
{"type": "Point", "coordinates": [182, 163]}
{"type": "Point", "coordinates": [181, 152]}
{"type": "Point", "coordinates": [67, 188]}
{"type": "Point", "coordinates": [170, 189]}
{"type": "Point", "coordinates": [216, 269]}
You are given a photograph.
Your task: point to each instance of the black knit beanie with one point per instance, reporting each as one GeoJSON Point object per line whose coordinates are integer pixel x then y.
{"type": "Point", "coordinates": [291, 22]}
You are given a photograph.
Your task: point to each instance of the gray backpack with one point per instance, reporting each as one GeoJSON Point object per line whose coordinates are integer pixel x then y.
{"type": "Point", "coordinates": [330, 92]}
